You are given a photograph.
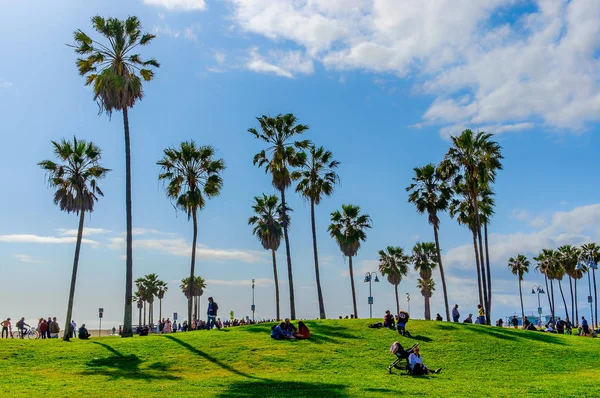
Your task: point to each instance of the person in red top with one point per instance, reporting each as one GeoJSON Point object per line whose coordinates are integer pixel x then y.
{"type": "Point", "coordinates": [303, 332]}
{"type": "Point", "coordinates": [43, 328]}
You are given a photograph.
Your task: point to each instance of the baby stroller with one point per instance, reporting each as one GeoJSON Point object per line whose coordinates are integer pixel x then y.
{"type": "Point", "coordinates": [401, 354]}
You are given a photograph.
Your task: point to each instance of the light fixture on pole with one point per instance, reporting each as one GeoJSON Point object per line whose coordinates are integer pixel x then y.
{"type": "Point", "coordinates": [585, 266]}
{"type": "Point", "coordinates": [408, 301]}
{"type": "Point", "coordinates": [539, 290]}
{"type": "Point", "coordinates": [369, 278]}
{"type": "Point", "coordinates": [253, 308]}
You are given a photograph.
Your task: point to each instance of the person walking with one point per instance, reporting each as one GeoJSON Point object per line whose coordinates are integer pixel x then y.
{"type": "Point", "coordinates": [213, 307]}
{"type": "Point", "coordinates": [455, 313]}
{"type": "Point", "coordinates": [6, 327]}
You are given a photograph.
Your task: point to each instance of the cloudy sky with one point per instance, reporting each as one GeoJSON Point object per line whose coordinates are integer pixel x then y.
{"type": "Point", "coordinates": [381, 83]}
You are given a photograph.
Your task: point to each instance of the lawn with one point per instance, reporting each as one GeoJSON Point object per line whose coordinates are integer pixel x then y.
{"type": "Point", "coordinates": [342, 358]}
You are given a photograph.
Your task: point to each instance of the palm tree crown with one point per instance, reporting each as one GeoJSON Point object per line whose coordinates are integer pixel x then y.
{"type": "Point", "coordinates": [519, 266]}
{"type": "Point", "coordinates": [424, 258]}
{"type": "Point", "coordinates": [393, 264]}
{"type": "Point", "coordinates": [113, 68]}
{"type": "Point", "coordinates": [267, 221]}
{"type": "Point", "coordinates": [318, 176]}
{"type": "Point", "coordinates": [429, 192]}
{"type": "Point", "coordinates": [348, 228]}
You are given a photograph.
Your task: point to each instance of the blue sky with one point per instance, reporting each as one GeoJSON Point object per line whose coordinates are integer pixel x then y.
{"type": "Point", "coordinates": [382, 84]}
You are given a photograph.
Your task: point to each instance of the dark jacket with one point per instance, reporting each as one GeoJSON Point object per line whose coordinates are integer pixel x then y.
{"type": "Point", "coordinates": [212, 308]}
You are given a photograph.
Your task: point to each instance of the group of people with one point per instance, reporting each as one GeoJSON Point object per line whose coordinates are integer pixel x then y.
{"type": "Point", "coordinates": [469, 319]}
{"type": "Point", "coordinates": [560, 326]}
{"type": "Point", "coordinates": [47, 328]}
{"type": "Point", "coordinates": [286, 330]}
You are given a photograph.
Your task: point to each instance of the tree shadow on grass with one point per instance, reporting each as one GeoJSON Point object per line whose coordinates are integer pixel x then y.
{"type": "Point", "coordinates": [421, 338]}
{"type": "Point", "coordinates": [209, 358]}
{"type": "Point", "coordinates": [275, 388]}
{"type": "Point", "coordinates": [119, 366]}
{"type": "Point", "coordinates": [506, 334]}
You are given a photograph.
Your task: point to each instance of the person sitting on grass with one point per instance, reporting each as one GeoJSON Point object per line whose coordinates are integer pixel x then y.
{"type": "Point", "coordinates": [438, 317]}
{"type": "Point", "coordinates": [83, 333]}
{"type": "Point", "coordinates": [278, 333]}
{"type": "Point", "coordinates": [303, 332]}
{"type": "Point", "coordinates": [416, 364]}
{"type": "Point", "coordinates": [469, 319]}
{"type": "Point", "coordinates": [288, 327]}
{"type": "Point", "coordinates": [388, 320]}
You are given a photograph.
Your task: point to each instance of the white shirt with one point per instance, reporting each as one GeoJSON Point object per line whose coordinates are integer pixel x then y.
{"type": "Point", "coordinates": [414, 359]}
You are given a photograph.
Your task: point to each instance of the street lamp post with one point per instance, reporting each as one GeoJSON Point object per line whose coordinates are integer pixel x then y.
{"type": "Point", "coordinates": [369, 278]}
{"type": "Point", "coordinates": [253, 306]}
{"type": "Point", "coordinates": [408, 301]}
{"type": "Point", "coordinates": [585, 265]}
{"type": "Point", "coordinates": [539, 290]}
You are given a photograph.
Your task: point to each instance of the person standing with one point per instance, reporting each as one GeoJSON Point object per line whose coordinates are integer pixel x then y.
{"type": "Point", "coordinates": [213, 307]}
{"type": "Point", "coordinates": [49, 321]}
{"type": "Point", "coordinates": [480, 314]}
{"type": "Point", "coordinates": [54, 329]}
{"type": "Point", "coordinates": [43, 328]}
{"type": "Point", "coordinates": [455, 313]}
{"type": "Point", "coordinates": [73, 328]}
{"type": "Point", "coordinates": [6, 327]}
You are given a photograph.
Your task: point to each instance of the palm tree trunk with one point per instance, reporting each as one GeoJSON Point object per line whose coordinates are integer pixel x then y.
{"type": "Point", "coordinates": [289, 257]}
{"type": "Point", "coordinates": [159, 308]}
{"type": "Point", "coordinates": [276, 284]}
{"type": "Point", "coordinates": [439, 255]}
{"type": "Point", "coordinates": [427, 307]}
{"type": "Point", "coordinates": [595, 298]}
{"type": "Point", "coordinates": [521, 296]}
{"type": "Point", "coordinates": [563, 298]}
{"type": "Point", "coordinates": [352, 284]}
{"type": "Point", "coordinates": [314, 236]}
{"type": "Point", "coordinates": [572, 300]}
{"type": "Point", "coordinates": [484, 277]}
{"type": "Point", "coordinates": [74, 277]}
{"type": "Point", "coordinates": [489, 271]}
{"type": "Point", "coordinates": [397, 301]}
{"type": "Point", "coordinates": [552, 293]}
{"type": "Point", "coordinates": [548, 293]}
{"type": "Point", "coordinates": [191, 284]}
{"type": "Point", "coordinates": [127, 330]}
{"type": "Point", "coordinates": [145, 313]}
{"type": "Point", "coordinates": [576, 305]}
{"type": "Point", "coordinates": [477, 265]}
{"type": "Point", "coordinates": [140, 316]}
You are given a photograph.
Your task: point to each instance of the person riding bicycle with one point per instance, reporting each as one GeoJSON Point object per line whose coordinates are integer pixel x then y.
{"type": "Point", "coordinates": [21, 326]}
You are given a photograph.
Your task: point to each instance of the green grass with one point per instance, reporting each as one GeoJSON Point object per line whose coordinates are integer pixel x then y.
{"type": "Point", "coordinates": [342, 358]}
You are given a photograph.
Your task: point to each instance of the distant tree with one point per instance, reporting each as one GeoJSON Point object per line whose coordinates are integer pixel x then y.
{"type": "Point", "coordinates": [199, 286]}
{"type": "Point", "coordinates": [282, 153]}
{"type": "Point", "coordinates": [393, 264]}
{"type": "Point", "coordinates": [592, 251]}
{"type": "Point", "coordinates": [162, 289]}
{"type": "Point", "coordinates": [269, 231]}
{"type": "Point", "coordinates": [75, 181]}
{"type": "Point", "coordinates": [568, 256]}
{"type": "Point", "coordinates": [348, 229]}
{"type": "Point", "coordinates": [519, 266]}
{"type": "Point", "coordinates": [148, 287]}
{"type": "Point", "coordinates": [192, 175]}
{"type": "Point", "coordinates": [424, 256]}
{"type": "Point", "coordinates": [112, 70]}
{"type": "Point", "coordinates": [317, 179]}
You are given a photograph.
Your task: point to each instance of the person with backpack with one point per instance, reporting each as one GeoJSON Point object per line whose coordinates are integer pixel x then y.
{"type": "Point", "coordinates": [213, 307]}
{"type": "Point", "coordinates": [403, 318]}
{"type": "Point", "coordinates": [21, 326]}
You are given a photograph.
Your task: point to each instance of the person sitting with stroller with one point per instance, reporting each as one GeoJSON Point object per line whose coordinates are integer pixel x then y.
{"type": "Point", "coordinates": [83, 333]}
{"type": "Point", "coordinates": [388, 320]}
{"type": "Point", "coordinates": [416, 363]}
{"type": "Point", "coordinates": [403, 318]}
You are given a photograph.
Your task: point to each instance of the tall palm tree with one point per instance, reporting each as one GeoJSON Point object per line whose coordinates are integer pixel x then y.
{"type": "Point", "coordinates": [348, 229]}
{"type": "Point", "coordinates": [137, 298]}
{"type": "Point", "coordinates": [162, 289]}
{"type": "Point", "coordinates": [192, 175]}
{"type": "Point", "coordinates": [282, 153]}
{"type": "Point", "coordinates": [75, 181]}
{"type": "Point", "coordinates": [486, 211]}
{"type": "Point", "coordinates": [473, 160]}
{"type": "Point", "coordinates": [112, 70]}
{"type": "Point", "coordinates": [558, 273]}
{"type": "Point", "coordinates": [544, 265]}
{"type": "Point", "coordinates": [568, 256]}
{"type": "Point", "coordinates": [519, 266]}
{"type": "Point", "coordinates": [269, 231]}
{"type": "Point", "coordinates": [424, 257]}
{"type": "Point", "coordinates": [592, 251]}
{"type": "Point", "coordinates": [317, 179]}
{"type": "Point", "coordinates": [199, 285]}
{"type": "Point", "coordinates": [430, 194]}
{"type": "Point", "coordinates": [148, 286]}
{"type": "Point", "coordinates": [393, 264]}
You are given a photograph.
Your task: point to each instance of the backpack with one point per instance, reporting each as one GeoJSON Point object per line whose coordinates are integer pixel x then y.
{"type": "Point", "coordinates": [395, 347]}
{"type": "Point", "coordinates": [20, 325]}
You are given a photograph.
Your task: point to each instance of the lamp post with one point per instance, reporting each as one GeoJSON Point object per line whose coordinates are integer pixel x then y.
{"type": "Point", "coordinates": [253, 308]}
{"type": "Point", "coordinates": [369, 278]}
{"type": "Point", "coordinates": [584, 266]}
{"type": "Point", "coordinates": [408, 301]}
{"type": "Point", "coordinates": [539, 290]}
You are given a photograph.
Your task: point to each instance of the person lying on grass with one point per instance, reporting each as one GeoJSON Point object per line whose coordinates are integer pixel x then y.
{"type": "Point", "coordinates": [416, 364]}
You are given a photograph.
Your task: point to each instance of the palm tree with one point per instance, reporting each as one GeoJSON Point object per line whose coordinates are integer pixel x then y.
{"type": "Point", "coordinates": [269, 231]}
{"type": "Point", "coordinates": [199, 286]}
{"type": "Point", "coordinates": [148, 286]}
{"type": "Point", "coordinates": [592, 251]}
{"type": "Point", "coordinates": [162, 289]}
{"type": "Point", "coordinates": [568, 256]}
{"type": "Point", "coordinates": [75, 181]}
{"type": "Point", "coordinates": [544, 265]}
{"type": "Point", "coordinates": [393, 263]}
{"type": "Point", "coordinates": [558, 273]}
{"type": "Point", "coordinates": [473, 160]}
{"type": "Point", "coordinates": [430, 194]}
{"type": "Point", "coordinates": [424, 256]}
{"type": "Point", "coordinates": [519, 266]}
{"type": "Point", "coordinates": [317, 179]}
{"type": "Point", "coordinates": [137, 298]}
{"type": "Point", "coordinates": [486, 211]}
{"type": "Point", "coordinates": [348, 230]}
{"type": "Point", "coordinates": [112, 70]}
{"type": "Point", "coordinates": [282, 152]}
{"type": "Point", "coordinates": [192, 175]}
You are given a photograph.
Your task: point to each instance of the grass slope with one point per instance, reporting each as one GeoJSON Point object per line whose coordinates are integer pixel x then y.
{"type": "Point", "coordinates": [342, 358]}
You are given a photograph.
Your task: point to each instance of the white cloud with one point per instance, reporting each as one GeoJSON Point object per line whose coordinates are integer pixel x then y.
{"type": "Point", "coordinates": [28, 238]}
{"type": "Point", "coordinates": [188, 33]}
{"type": "Point", "coordinates": [542, 68]}
{"type": "Point", "coordinates": [6, 84]}
{"type": "Point", "coordinates": [220, 57]}
{"type": "Point", "coordinates": [86, 231]}
{"type": "Point", "coordinates": [280, 63]}
{"type": "Point", "coordinates": [181, 5]}
{"type": "Point", "coordinates": [520, 214]}
{"type": "Point", "coordinates": [25, 258]}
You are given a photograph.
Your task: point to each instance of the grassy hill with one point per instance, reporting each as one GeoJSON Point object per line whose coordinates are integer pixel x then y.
{"type": "Point", "coordinates": [342, 358]}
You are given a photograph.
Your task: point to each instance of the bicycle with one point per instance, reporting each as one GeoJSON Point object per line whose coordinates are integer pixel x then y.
{"type": "Point", "coordinates": [30, 333]}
